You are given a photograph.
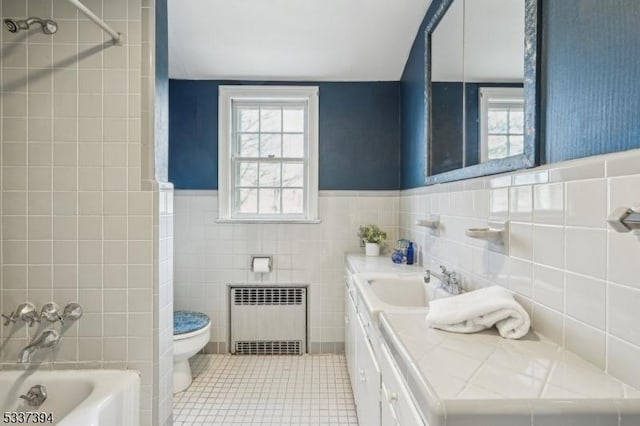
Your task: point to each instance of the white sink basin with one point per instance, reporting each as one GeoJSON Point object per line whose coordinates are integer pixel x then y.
{"type": "Point", "coordinates": [405, 292]}
{"type": "Point", "coordinates": [393, 292]}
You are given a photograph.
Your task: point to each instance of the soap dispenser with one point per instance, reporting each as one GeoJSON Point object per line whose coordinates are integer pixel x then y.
{"type": "Point", "coordinates": [410, 254]}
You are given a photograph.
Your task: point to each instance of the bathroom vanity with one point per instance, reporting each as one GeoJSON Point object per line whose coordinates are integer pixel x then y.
{"type": "Point", "coordinates": [405, 373]}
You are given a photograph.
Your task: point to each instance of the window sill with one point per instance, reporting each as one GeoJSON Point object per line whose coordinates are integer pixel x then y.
{"type": "Point", "coordinates": [276, 221]}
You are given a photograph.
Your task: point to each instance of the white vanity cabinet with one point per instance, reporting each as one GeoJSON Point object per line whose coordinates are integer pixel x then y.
{"type": "Point", "coordinates": [367, 378]}
{"type": "Point", "coordinates": [361, 362]}
{"type": "Point", "coordinates": [379, 393]}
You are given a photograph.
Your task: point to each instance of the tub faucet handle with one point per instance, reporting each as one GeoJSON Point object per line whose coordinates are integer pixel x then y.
{"type": "Point", "coordinates": [9, 319]}
{"type": "Point", "coordinates": [25, 311]}
{"type": "Point", "coordinates": [73, 311]}
{"type": "Point", "coordinates": [51, 312]}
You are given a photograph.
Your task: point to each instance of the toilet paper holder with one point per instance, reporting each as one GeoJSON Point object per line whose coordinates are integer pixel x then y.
{"type": "Point", "coordinates": [261, 256]}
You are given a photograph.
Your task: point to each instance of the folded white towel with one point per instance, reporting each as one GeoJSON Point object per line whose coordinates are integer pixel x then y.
{"type": "Point", "coordinates": [480, 309]}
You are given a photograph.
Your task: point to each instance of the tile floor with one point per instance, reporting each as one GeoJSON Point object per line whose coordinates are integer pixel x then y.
{"type": "Point", "coordinates": [266, 390]}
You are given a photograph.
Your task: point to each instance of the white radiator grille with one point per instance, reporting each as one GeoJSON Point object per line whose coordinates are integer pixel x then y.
{"type": "Point", "coordinates": [268, 320]}
{"type": "Point", "coordinates": [268, 296]}
{"type": "Point", "coordinates": [269, 348]}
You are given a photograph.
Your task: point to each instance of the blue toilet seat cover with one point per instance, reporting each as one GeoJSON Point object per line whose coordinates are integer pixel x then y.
{"type": "Point", "coordinates": [188, 321]}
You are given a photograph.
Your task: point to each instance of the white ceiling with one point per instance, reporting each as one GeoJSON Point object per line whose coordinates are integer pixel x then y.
{"type": "Point", "coordinates": [315, 40]}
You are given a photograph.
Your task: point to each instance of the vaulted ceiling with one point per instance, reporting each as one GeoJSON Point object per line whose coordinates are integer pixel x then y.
{"type": "Point", "coordinates": [319, 40]}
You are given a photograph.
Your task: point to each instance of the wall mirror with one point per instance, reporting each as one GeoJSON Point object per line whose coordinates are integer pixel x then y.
{"type": "Point", "coordinates": [481, 88]}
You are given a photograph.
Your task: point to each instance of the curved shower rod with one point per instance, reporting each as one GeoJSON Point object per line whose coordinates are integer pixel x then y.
{"type": "Point", "coordinates": [116, 36]}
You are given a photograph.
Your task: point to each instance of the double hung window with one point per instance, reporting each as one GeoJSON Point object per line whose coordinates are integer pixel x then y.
{"type": "Point", "coordinates": [268, 153]}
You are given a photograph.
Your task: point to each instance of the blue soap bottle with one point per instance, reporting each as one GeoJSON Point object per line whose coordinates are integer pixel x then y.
{"type": "Point", "coordinates": [410, 254]}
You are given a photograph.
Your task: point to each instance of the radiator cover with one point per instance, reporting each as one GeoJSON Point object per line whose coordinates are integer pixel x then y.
{"type": "Point", "coordinates": [268, 320]}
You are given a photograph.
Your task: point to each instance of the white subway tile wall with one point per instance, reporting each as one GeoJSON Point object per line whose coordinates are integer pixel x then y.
{"type": "Point", "coordinates": [163, 307]}
{"type": "Point", "coordinates": [77, 221]}
{"type": "Point", "coordinates": [578, 278]}
{"type": "Point", "coordinates": [210, 255]}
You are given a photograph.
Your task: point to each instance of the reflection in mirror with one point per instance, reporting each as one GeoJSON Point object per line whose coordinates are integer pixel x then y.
{"type": "Point", "coordinates": [477, 74]}
{"type": "Point", "coordinates": [501, 122]}
{"type": "Point", "coordinates": [447, 91]}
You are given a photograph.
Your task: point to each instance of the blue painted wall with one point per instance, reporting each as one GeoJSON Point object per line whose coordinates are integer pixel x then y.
{"type": "Point", "coordinates": [592, 64]}
{"type": "Point", "coordinates": [193, 134]}
{"type": "Point", "coordinates": [359, 134]}
{"type": "Point", "coordinates": [591, 89]}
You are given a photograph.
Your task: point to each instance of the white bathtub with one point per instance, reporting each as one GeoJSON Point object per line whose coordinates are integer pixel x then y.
{"type": "Point", "coordinates": [76, 397]}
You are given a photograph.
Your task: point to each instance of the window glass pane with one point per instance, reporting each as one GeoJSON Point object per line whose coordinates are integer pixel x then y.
{"type": "Point", "coordinates": [517, 145]}
{"type": "Point", "coordinates": [293, 120]}
{"type": "Point", "coordinates": [293, 146]}
{"type": "Point", "coordinates": [292, 174]}
{"type": "Point", "coordinates": [497, 121]}
{"type": "Point", "coordinates": [270, 120]}
{"type": "Point", "coordinates": [269, 201]}
{"type": "Point", "coordinates": [516, 122]}
{"type": "Point", "coordinates": [270, 145]}
{"type": "Point", "coordinates": [497, 146]}
{"type": "Point", "coordinates": [247, 200]}
{"type": "Point", "coordinates": [269, 174]}
{"type": "Point", "coordinates": [248, 145]}
{"type": "Point", "coordinates": [248, 174]}
{"type": "Point", "coordinates": [248, 119]}
{"type": "Point", "coordinates": [292, 201]}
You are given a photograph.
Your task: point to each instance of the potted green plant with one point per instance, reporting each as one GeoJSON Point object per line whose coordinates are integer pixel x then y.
{"type": "Point", "coordinates": [372, 237]}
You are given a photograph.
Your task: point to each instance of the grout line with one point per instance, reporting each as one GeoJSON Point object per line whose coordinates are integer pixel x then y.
{"type": "Point", "coordinates": [102, 194]}
{"type": "Point", "coordinates": [26, 332]}
{"type": "Point", "coordinates": [127, 123]}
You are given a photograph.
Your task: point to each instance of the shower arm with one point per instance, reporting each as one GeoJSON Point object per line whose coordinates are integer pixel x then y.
{"type": "Point", "coordinates": [116, 36]}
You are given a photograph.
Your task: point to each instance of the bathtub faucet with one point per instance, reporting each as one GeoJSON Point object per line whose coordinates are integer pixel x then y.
{"type": "Point", "coordinates": [47, 339]}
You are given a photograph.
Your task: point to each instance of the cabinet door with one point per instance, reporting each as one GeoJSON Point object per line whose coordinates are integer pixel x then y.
{"type": "Point", "coordinates": [368, 381]}
{"type": "Point", "coordinates": [398, 395]}
{"type": "Point", "coordinates": [350, 319]}
{"type": "Point", "coordinates": [387, 415]}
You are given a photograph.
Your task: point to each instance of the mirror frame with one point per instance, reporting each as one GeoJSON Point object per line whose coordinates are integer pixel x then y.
{"type": "Point", "coordinates": [532, 101]}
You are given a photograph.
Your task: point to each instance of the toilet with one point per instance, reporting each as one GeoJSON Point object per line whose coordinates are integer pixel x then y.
{"type": "Point", "coordinates": [191, 332]}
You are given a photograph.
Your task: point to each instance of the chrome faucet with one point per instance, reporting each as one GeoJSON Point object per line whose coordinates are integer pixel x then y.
{"type": "Point", "coordinates": [25, 311]}
{"type": "Point", "coordinates": [448, 280]}
{"type": "Point", "coordinates": [73, 311]}
{"type": "Point", "coordinates": [47, 339]}
{"type": "Point", "coordinates": [35, 396]}
{"type": "Point", "coordinates": [51, 312]}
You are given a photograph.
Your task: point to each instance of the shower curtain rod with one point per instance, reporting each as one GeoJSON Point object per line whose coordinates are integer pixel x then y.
{"type": "Point", "coordinates": [116, 36]}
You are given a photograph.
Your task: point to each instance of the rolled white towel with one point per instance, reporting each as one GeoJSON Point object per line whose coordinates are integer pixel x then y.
{"type": "Point", "coordinates": [478, 310]}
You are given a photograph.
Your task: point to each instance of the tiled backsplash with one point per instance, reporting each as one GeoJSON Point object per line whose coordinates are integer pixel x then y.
{"type": "Point", "coordinates": [578, 278]}
{"type": "Point", "coordinates": [210, 255]}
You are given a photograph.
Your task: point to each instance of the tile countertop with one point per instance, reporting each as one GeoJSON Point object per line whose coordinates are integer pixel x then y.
{"type": "Point", "coordinates": [484, 380]}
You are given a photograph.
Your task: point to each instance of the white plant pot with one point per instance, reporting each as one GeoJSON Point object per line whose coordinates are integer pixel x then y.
{"type": "Point", "coordinates": [372, 249]}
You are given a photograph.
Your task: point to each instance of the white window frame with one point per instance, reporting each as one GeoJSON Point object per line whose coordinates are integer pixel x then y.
{"type": "Point", "coordinates": [226, 180]}
{"type": "Point", "coordinates": [508, 97]}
